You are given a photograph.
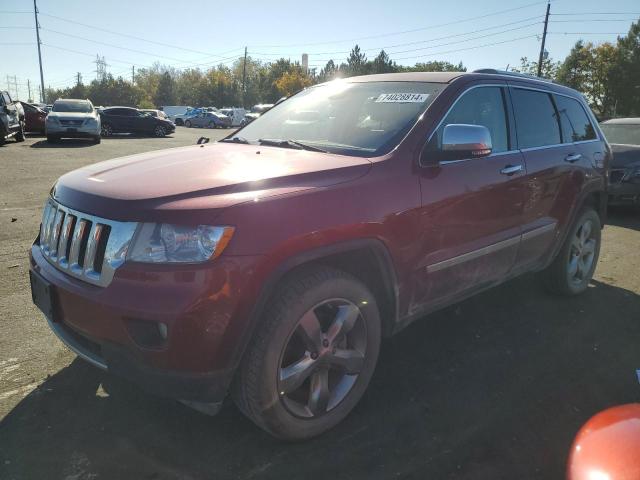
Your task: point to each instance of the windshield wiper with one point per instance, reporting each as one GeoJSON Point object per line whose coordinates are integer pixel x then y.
{"type": "Point", "coordinates": [275, 142]}
{"type": "Point", "coordinates": [236, 140]}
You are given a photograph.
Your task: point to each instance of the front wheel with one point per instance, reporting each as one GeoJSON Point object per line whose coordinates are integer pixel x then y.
{"type": "Point", "coordinates": [159, 131]}
{"type": "Point", "coordinates": [573, 268]}
{"type": "Point", "coordinates": [312, 356]}
{"type": "Point", "coordinates": [106, 130]}
{"type": "Point", "coordinates": [187, 124]}
{"type": "Point", "coordinates": [20, 135]}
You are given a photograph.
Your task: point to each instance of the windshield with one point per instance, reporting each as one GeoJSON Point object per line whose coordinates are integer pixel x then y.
{"type": "Point", "coordinates": [627, 134]}
{"type": "Point", "coordinates": [75, 107]}
{"type": "Point", "coordinates": [362, 119]}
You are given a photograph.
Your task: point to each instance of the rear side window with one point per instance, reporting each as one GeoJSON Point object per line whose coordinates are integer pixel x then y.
{"type": "Point", "coordinates": [576, 126]}
{"type": "Point", "coordinates": [481, 106]}
{"type": "Point", "coordinates": [536, 119]}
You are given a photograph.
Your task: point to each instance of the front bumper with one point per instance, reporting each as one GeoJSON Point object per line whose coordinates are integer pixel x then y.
{"type": "Point", "coordinates": [81, 131]}
{"type": "Point", "coordinates": [199, 304]}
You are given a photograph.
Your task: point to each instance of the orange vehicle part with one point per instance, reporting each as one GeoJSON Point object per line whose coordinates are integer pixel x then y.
{"type": "Point", "coordinates": [607, 447]}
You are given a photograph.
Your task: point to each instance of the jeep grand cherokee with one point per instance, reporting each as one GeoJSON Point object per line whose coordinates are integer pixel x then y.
{"type": "Point", "coordinates": [270, 264]}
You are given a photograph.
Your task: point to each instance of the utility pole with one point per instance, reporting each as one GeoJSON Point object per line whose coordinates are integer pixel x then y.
{"type": "Point", "coordinates": [244, 75]}
{"type": "Point", "coordinates": [544, 38]}
{"type": "Point", "coordinates": [35, 13]}
{"type": "Point", "coordinates": [133, 74]}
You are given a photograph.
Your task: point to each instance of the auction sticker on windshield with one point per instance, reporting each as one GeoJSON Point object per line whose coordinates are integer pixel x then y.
{"type": "Point", "coordinates": [402, 98]}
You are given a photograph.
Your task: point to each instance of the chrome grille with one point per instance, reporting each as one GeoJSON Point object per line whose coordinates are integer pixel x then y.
{"type": "Point", "coordinates": [71, 122]}
{"type": "Point", "coordinates": [84, 246]}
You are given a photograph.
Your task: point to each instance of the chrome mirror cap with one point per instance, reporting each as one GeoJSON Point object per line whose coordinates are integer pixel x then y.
{"type": "Point", "coordinates": [466, 141]}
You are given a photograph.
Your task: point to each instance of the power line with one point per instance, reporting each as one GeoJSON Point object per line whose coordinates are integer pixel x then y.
{"type": "Point", "coordinates": [344, 52]}
{"type": "Point", "coordinates": [208, 54]}
{"type": "Point", "coordinates": [596, 13]}
{"type": "Point", "coordinates": [587, 33]}
{"type": "Point", "coordinates": [580, 20]}
{"type": "Point", "coordinates": [468, 19]}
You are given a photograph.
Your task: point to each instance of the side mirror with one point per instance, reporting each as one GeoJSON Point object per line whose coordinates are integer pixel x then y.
{"type": "Point", "coordinates": [461, 141]}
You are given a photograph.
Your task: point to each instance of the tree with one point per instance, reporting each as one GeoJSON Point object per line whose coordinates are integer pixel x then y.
{"type": "Point", "coordinates": [329, 72]}
{"type": "Point", "coordinates": [165, 94]}
{"type": "Point", "coordinates": [356, 63]}
{"type": "Point", "coordinates": [292, 82]}
{"type": "Point", "coordinates": [549, 68]}
{"type": "Point", "coordinates": [383, 64]}
{"type": "Point", "coordinates": [589, 69]}
{"type": "Point", "coordinates": [625, 74]}
{"type": "Point", "coordinates": [436, 66]}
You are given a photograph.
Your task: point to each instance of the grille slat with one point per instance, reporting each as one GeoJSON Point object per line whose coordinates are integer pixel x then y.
{"type": "Point", "coordinates": [82, 245]}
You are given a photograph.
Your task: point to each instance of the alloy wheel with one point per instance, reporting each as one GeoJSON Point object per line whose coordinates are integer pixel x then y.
{"type": "Point", "coordinates": [160, 131]}
{"type": "Point", "coordinates": [322, 358]}
{"type": "Point", "coordinates": [582, 253]}
{"type": "Point", "coordinates": [107, 130]}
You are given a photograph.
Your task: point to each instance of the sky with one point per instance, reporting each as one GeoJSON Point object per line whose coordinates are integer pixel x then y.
{"type": "Point", "coordinates": [128, 33]}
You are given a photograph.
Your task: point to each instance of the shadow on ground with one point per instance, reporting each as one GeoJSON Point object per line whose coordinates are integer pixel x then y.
{"type": "Point", "coordinates": [495, 387]}
{"type": "Point", "coordinates": [64, 143]}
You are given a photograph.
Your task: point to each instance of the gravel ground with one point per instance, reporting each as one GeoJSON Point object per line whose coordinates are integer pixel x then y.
{"type": "Point", "coordinates": [495, 387]}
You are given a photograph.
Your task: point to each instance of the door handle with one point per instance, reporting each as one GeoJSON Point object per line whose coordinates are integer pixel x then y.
{"type": "Point", "coordinates": [573, 157]}
{"type": "Point", "coordinates": [511, 169]}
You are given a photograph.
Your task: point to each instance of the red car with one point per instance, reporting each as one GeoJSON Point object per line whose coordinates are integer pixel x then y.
{"type": "Point", "coordinates": [34, 118]}
{"type": "Point", "coordinates": [271, 264]}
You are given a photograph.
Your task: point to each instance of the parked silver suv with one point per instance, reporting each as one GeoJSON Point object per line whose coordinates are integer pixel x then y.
{"type": "Point", "coordinates": [71, 118]}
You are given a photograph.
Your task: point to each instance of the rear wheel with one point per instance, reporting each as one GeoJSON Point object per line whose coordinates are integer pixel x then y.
{"type": "Point", "coordinates": [160, 131]}
{"type": "Point", "coordinates": [573, 268]}
{"type": "Point", "coordinates": [187, 124]}
{"type": "Point", "coordinates": [312, 356]}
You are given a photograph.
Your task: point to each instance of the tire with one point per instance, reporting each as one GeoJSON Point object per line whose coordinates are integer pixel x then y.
{"type": "Point", "coordinates": [3, 138]}
{"type": "Point", "coordinates": [97, 139]}
{"type": "Point", "coordinates": [52, 139]}
{"type": "Point", "coordinates": [187, 124]}
{"type": "Point", "coordinates": [211, 125]}
{"type": "Point", "coordinates": [20, 134]}
{"type": "Point", "coordinates": [159, 131]}
{"type": "Point", "coordinates": [106, 130]}
{"type": "Point", "coordinates": [572, 269]}
{"type": "Point", "coordinates": [337, 299]}
{"type": "Point", "coordinates": [179, 122]}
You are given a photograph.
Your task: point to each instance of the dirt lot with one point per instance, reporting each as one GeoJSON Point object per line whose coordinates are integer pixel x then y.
{"type": "Point", "coordinates": [495, 387]}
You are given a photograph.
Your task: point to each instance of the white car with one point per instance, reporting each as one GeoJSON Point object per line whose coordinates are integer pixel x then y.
{"type": "Point", "coordinates": [70, 118]}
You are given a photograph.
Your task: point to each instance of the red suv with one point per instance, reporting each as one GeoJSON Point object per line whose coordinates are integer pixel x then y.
{"type": "Point", "coordinates": [270, 264]}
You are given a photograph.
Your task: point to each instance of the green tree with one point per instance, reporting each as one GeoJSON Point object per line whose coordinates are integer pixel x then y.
{"type": "Point", "coordinates": [436, 66]}
{"type": "Point", "coordinates": [549, 68]}
{"type": "Point", "coordinates": [165, 94]}
{"type": "Point", "coordinates": [383, 64]}
{"type": "Point", "coordinates": [625, 74]}
{"type": "Point", "coordinates": [292, 82]}
{"type": "Point", "coordinates": [356, 63]}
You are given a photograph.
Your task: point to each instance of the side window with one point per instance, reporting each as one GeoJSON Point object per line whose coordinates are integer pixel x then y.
{"type": "Point", "coordinates": [536, 119]}
{"type": "Point", "coordinates": [481, 106]}
{"type": "Point", "coordinates": [575, 123]}
{"type": "Point", "coordinates": [5, 99]}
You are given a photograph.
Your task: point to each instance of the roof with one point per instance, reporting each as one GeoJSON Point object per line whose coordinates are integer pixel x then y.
{"type": "Point", "coordinates": [622, 121]}
{"type": "Point", "coordinates": [435, 77]}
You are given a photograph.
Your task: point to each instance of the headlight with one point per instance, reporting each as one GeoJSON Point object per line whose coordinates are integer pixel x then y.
{"type": "Point", "coordinates": [91, 121]}
{"type": "Point", "coordinates": [165, 243]}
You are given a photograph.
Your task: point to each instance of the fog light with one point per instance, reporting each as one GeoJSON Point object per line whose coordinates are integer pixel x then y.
{"type": "Point", "coordinates": [162, 328]}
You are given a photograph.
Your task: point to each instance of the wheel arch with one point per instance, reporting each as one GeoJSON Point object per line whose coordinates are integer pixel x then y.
{"type": "Point", "coordinates": [367, 259]}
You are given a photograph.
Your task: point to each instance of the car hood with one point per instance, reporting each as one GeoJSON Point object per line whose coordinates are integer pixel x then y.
{"type": "Point", "coordinates": [625, 155]}
{"type": "Point", "coordinates": [198, 180]}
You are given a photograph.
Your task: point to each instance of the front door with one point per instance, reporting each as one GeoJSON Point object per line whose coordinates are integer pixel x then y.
{"type": "Point", "coordinates": [472, 207]}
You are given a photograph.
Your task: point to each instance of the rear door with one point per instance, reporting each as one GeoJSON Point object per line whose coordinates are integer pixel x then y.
{"type": "Point", "coordinates": [551, 187]}
{"type": "Point", "coordinates": [472, 208]}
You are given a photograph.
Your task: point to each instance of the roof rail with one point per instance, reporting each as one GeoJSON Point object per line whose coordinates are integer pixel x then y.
{"type": "Point", "coordinates": [495, 71]}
